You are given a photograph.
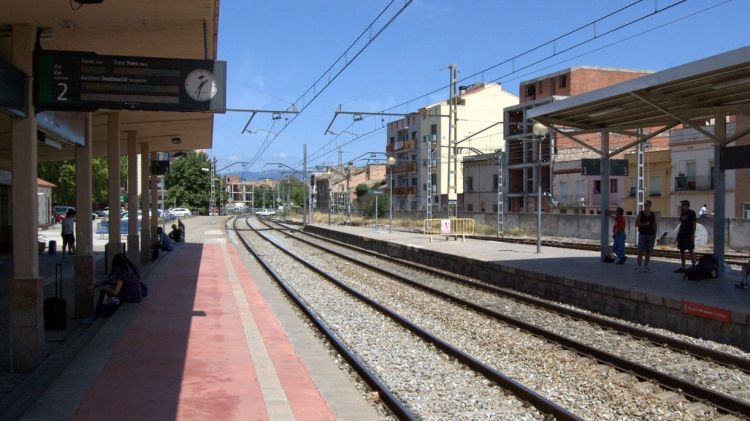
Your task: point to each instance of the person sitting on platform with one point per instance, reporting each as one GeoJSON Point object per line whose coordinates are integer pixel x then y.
{"type": "Point", "coordinates": [745, 274]}
{"type": "Point", "coordinates": [176, 234]}
{"type": "Point", "coordinates": [162, 243]}
{"type": "Point", "coordinates": [122, 285]}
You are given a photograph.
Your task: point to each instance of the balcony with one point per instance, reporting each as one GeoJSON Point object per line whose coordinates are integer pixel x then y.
{"type": "Point", "coordinates": [405, 168]}
{"type": "Point", "coordinates": [693, 183]}
{"type": "Point", "coordinates": [403, 191]}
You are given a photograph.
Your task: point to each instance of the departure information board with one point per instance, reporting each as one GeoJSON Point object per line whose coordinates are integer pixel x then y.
{"type": "Point", "coordinates": [84, 81]}
{"type": "Point", "coordinates": [617, 167]}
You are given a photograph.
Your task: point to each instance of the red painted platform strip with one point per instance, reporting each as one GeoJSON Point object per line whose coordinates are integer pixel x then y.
{"type": "Point", "coordinates": [184, 355]}
{"type": "Point", "coordinates": [301, 392]}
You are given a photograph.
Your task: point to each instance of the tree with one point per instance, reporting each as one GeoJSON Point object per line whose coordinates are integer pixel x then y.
{"type": "Point", "coordinates": [188, 184]}
{"type": "Point", "coordinates": [63, 174]}
{"type": "Point", "coordinates": [362, 189]}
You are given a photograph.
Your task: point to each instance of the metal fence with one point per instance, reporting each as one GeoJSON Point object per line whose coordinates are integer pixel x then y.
{"type": "Point", "coordinates": [449, 227]}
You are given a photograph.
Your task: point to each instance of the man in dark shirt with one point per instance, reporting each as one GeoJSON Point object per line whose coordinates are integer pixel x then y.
{"type": "Point", "coordinates": [686, 234]}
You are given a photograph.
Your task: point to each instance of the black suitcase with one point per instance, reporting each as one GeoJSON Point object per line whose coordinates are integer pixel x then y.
{"type": "Point", "coordinates": [55, 309]}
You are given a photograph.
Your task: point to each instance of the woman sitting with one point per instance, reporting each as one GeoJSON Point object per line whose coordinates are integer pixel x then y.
{"type": "Point", "coordinates": [123, 283]}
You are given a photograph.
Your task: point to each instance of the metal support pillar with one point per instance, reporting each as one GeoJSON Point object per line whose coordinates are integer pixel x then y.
{"type": "Point", "coordinates": [500, 204]}
{"type": "Point", "coordinates": [154, 215]}
{"type": "Point", "coordinates": [719, 192]}
{"type": "Point", "coordinates": [306, 183]}
{"type": "Point", "coordinates": [604, 235]}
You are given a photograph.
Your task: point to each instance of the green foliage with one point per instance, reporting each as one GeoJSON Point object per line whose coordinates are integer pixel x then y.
{"type": "Point", "coordinates": [367, 203]}
{"type": "Point", "coordinates": [188, 186]}
{"type": "Point", "coordinates": [63, 174]}
{"type": "Point", "coordinates": [362, 189]}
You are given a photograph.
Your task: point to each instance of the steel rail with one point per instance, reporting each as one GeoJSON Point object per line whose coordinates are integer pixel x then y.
{"type": "Point", "coordinates": [696, 392]}
{"type": "Point", "coordinates": [398, 408]}
{"type": "Point", "coordinates": [541, 403]}
{"type": "Point", "coordinates": [721, 357]}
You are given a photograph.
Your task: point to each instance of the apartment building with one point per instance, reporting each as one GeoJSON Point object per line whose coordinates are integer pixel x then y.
{"type": "Point", "coordinates": [692, 168]}
{"type": "Point", "coordinates": [240, 192]}
{"type": "Point", "coordinates": [657, 182]}
{"type": "Point", "coordinates": [331, 186]}
{"type": "Point", "coordinates": [531, 161]}
{"type": "Point", "coordinates": [742, 176]}
{"type": "Point", "coordinates": [480, 183]}
{"type": "Point", "coordinates": [419, 142]}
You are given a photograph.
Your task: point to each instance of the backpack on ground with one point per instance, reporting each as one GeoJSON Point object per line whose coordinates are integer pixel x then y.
{"type": "Point", "coordinates": [608, 255]}
{"type": "Point", "coordinates": [706, 268]}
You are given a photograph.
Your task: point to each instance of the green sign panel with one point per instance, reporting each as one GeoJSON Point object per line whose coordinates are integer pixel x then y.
{"type": "Point", "coordinates": [84, 81]}
{"type": "Point", "coordinates": [617, 167]}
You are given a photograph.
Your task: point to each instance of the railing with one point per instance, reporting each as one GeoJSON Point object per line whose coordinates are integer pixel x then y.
{"type": "Point", "coordinates": [689, 183]}
{"type": "Point", "coordinates": [403, 191]}
{"type": "Point", "coordinates": [452, 227]}
{"type": "Point", "coordinates": [405, 168]}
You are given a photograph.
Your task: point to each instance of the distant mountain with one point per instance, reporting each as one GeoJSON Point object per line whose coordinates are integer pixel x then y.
{"type": "Point", "coordinates": [255, 175]}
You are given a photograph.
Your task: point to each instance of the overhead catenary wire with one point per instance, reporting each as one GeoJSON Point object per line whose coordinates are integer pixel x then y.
{"type": "Point", "coordinates": [313, 88]}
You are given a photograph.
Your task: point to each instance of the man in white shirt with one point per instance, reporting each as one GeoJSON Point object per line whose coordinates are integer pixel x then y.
{"type": "Point", "coordinates": [703, 212]}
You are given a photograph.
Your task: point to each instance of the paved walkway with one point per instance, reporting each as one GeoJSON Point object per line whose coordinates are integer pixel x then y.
{"type": "Point", "coordinates": [580, 265]}
{"type": "Point", "coordinates": [210, 341]}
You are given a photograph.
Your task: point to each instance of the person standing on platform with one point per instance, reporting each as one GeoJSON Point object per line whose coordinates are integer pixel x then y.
{"type": "Point", "coordinates": [618, 233]}
{"type": "Point", "coordinates": [647, 229]}
{"type": "Point", "coordinates": [686, 234]}
{"type": "Point", "coordinates": [68, 236]}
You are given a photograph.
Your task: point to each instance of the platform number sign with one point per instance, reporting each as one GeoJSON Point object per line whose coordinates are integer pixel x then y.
{"type": "Point", "coordinates": [86, 81]}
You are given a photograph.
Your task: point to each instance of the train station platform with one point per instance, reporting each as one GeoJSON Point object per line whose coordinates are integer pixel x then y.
{"type": "Point", "coordinates": [214, 339]}
{"type": "Point", "coordinates": [710, 309]}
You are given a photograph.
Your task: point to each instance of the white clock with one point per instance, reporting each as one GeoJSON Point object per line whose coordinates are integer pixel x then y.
{"type": "Point", "coordinates": [200, 85]}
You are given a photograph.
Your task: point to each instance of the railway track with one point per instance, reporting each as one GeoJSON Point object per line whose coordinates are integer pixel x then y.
{"type": "Point", "coordinates": [399, 351]}
{"type": "Point", "coordinates": [676, 370]}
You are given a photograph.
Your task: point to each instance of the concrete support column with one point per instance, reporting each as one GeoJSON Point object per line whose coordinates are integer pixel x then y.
{"type": "Point", "coordinates": [114, 245]}
{"type": "Point", "coordinates": [83, 304]}
{"type": "Point", "coordinates": [605, 236]}
{"type": "Point", "coordinates": [154, 200]}
{"type": "Point", "coordinates": [719, 192]}
{"type": "Point", "coordinates": [145, 204]}
{"type": "Point", "coordinates": [26, 288]}
{"type": "Point", "coordinates": [133, 252]}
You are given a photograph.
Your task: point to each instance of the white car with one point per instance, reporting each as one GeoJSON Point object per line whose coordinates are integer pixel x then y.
{"type": "Point", "coordinates": [265, 212]}
{"type": "Point", "coordinates": [181, 212]}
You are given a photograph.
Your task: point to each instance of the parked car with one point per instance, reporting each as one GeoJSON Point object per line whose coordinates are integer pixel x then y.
{"type": "Point", "coordinates": [180, 212]}
{"type": "Point", "coordinates": [265, 212]}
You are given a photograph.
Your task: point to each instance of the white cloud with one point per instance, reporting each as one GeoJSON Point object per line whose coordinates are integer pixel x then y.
{"type": "Point", "coordinates": [280, 155]}
{"type": "Point", "coordinates": [259, 80]}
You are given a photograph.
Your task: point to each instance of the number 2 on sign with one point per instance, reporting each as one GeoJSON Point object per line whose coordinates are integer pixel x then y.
{"type": "Point", "coordinates": [64, 87]}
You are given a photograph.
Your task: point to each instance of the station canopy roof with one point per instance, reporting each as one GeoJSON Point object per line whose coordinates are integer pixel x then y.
{"type": "Point", "coordinates": [693, 91]}
{"type": "Point", "coordinates": [164, 28]}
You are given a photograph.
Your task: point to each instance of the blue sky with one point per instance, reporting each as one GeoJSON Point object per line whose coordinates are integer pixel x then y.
{"type": "Point", "coordinates": [276, 49]}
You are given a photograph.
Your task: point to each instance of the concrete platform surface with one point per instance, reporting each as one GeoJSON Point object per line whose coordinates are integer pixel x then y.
{"type": "Point", "coordinates": [215, 339]}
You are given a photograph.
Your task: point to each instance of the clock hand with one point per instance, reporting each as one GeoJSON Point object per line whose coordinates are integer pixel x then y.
{"type": "Point", "coordinates": [200, 88]}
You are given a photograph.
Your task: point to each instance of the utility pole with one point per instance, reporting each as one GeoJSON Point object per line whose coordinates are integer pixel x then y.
{"type": "Point", "coordinates": [306, 182]}
{"type": "Point", "coordinates": [452, 138]}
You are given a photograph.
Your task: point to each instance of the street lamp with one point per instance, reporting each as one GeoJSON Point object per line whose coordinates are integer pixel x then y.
{"type": "Point", "coordinates": [391, 162]}
{"type": "Point", "coordinates": [539, 130]}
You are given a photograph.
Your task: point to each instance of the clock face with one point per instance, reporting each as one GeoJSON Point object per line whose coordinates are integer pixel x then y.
{"type": "Point", "coordinates": [200, 85]}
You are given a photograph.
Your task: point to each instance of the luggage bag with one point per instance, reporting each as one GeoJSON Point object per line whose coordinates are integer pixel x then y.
{"type": "Point", "coordinates": [55, 309]}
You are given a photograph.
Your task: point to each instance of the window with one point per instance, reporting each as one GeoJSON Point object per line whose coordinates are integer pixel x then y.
{"type": "Point", "coordinates": [495, 179]}
{"type": "Point", "coordinates": [414, 135]}
{"type": "Point", "coordinates": [654, 185]}
{"type": "Point", "coordinates": [469, 183]}
{"type": "Point", "coordinates": [563, 192]}
{"type": "Point", "coordinates": [613, 186]}
{"type": "Point", "coordinates": [393, 140]}
{"type": "Point", "coordinates": [470, 207]}
{"type": "Point", "coordinates": [597, 187]}
{"type": "Point", "coordinates": [414, 182]}
{"type": "Point", "coordinates": [746, 210]}
{"type": "Point", "coordinates": [579, 188]}
{"type": "Point", "coordinates": [531, 91]}
{"type": "Point", "coordinates": [563, 81]}
{"type": "Point", "coordinates": [433, 129]}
